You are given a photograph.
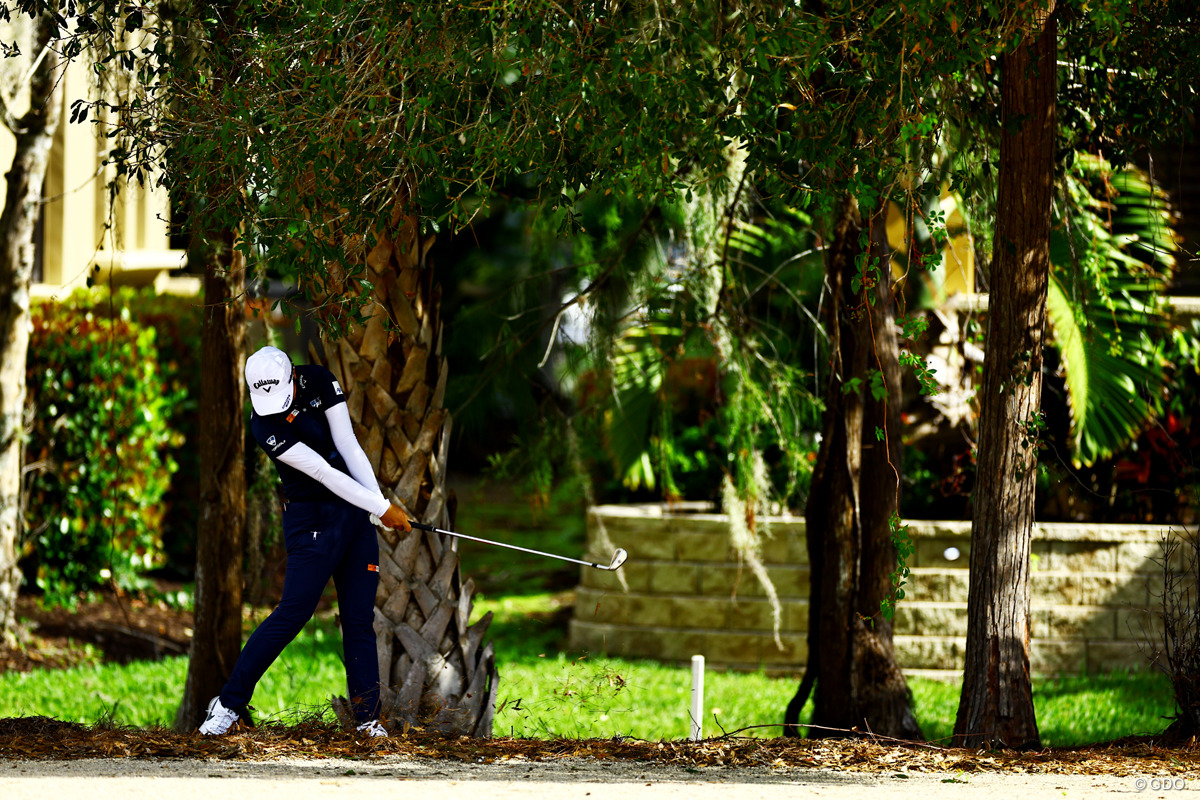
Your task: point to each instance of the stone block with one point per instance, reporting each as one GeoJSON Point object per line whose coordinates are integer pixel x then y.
{"type": "Point", "coordinates": [798, 546]}
{"type": "Point", "coordinates": [797, 649]}
{"type": "Point", "coordinates": [598, 606]}
{"type": "Point", "coordinates": [1053, 588]}
{"type": "Point", "coordinates": [645, 537]}
{"type": "Point", "coordinates": [643, 642]}
{"type": "Point", "coordinates": [1138, 557]}
{"type": "Point", "coordinates": [697, 612]}
{"type": "Point", "coordinates": [1074, 622]}
{"type": "Point", "coordinates": [656, 610]}
{"type": "Point", "coordinates": [1155, 583]}
{"type": "Point", "coordinates": [939, 529]}
{"type": "Point", "coordinates": [680, 645]}
{"type": "Point", "coordinates": [1055, 657]}
{"type": "Point", "coordinates": [674, 579]}
{"type": "Point", "coordinates": [1109, 656]}
{"type": "Point", "coordinates": [1095, 532]}
{"type": "Point", "coordinates": [722, 580]}
{"type": "Point", "coordinates": [752, 615]}
{"type": "Point", "coordinates": [775, 548]}
{"type": "Point", "coordinates": [646, 546]}
{"type": "Point", "coordinates": [790, 582]}
{"type": "Point", "coordinates": [1085, 556]}
{"type": "Point", "coordinates": [795, 615]}
{"type": "Point", "coordinates": [637, 575]}
{"type": "Point", "coordinates": [783, 543]}
{"type": "Point", "coordinates": [1094, 589]}
{"type": "Point", "coordinates": [930, 652]}
{"type": "Point", "coordinates": [699, 523]}
{"type": "Point", "coordinates": [793, 655]}
{"type": "Point", "coordinates": [1140, 624]}
{"type": "Point", "coordinates": [937, 585]}
{"type": "Point", "coordinates": [723, 647]}
{"type": "Point", "coordinates": [931, 619]}
{"type": "Point", "coordinates": [731, 581]}
{"type": "Point", "coordinates": [707, 546]}
{"type": "Point", "coordinates": [932, 553]}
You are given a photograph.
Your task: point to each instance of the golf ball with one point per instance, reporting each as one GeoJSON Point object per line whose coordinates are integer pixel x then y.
{"type": "Point", "coordinates": [951, 554]}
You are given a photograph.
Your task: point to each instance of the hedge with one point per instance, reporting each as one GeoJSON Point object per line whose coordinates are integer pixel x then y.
{"type": "Point", "coordinates": [98, 454]}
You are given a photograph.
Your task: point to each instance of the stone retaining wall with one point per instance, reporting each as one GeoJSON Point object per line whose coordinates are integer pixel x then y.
{"type": "Point", "coordinates": [1092, 589]}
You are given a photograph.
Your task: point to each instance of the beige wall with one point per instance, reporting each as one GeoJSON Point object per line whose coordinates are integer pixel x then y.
{"type": "Point", "coordinates": [78, 242]}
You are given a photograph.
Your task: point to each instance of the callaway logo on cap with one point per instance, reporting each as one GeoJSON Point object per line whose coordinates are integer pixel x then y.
{"type": "Point", "coordinates": [269, 377]}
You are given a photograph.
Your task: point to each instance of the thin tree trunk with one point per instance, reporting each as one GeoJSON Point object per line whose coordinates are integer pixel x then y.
{"type": "Point", "coordinates": [217, 636]}
{"type": "Point", "coordinates": [434, 669]}
{"type": "Point", "coordinates": [885, 703]}
{"type": "Point", "coordinates": [996, 707]}
{"type": "Point", "coordinates": [22, 207]}
{"type": "Point", "coordinates": [853, 496]}
{"type": "Point", "coordinates": [217, 639]}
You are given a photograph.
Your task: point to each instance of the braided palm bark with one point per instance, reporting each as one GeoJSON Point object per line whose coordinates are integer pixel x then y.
{"type": "Point", "coordinates": [434, 670]}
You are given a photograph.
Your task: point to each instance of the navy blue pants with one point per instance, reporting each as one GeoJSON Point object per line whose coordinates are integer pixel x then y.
{"type": "Point", "coordinates": [325, 539]}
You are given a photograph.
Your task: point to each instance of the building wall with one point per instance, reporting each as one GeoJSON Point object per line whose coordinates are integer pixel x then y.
{"type": "Point", "coordinates": [1093, 591]}
{"type": "Point", "coordinates": [85, 237]}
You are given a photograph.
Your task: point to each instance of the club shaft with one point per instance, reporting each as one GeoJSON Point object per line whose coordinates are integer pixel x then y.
{"type": "Point", "coordinates": [422, 526]}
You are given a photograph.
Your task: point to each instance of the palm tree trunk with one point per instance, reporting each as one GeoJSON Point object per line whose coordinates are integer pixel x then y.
{"type": "Point", "coordinates": [435, 672]}
{"type": "Point", "coordinates": [996, 706]}
{"type": "Point", "coordinates": [22, 207]}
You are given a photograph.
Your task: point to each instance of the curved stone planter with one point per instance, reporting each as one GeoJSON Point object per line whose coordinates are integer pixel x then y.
{"type": "Point", "coordinates": [1093, 590]}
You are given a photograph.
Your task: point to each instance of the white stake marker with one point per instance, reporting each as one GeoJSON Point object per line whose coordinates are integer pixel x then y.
{"type": "Point", "coordinates": [697, 712]}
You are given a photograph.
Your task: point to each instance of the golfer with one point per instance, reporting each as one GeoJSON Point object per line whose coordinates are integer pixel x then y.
{"type": "Point", "coordinates": [301, 421]}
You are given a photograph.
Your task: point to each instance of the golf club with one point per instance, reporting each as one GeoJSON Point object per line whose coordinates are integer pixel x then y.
{"type": "Point", "coordinates": [617, 560]}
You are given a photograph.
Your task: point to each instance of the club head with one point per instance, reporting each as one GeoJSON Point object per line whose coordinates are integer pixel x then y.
{"type": "Point", "coordinates": [618, 558]}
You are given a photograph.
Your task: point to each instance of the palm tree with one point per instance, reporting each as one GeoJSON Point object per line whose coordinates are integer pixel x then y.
{"type": "Point", "coordinates": [435, 671]}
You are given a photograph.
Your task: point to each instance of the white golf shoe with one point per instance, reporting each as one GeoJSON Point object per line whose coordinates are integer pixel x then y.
{"type": "Point", "coordinates": [374, 729]}
{"type": "Point", "coordinates": [220, 719]}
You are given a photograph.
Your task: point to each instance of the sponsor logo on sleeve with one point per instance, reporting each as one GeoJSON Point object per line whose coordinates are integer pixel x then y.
{"type": "Point", "coordinates": [274, 443]}
{"type": "Point", "coordinates": [337, 389]}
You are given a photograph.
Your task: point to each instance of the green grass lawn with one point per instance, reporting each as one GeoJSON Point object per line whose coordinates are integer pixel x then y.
{"type": "Point", "coordinates": [545, 692]}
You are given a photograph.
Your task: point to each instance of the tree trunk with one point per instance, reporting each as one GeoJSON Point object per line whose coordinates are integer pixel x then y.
{"type": "Point", "coordinates": [435, 672]}
{"type": "Point", "coordinates": [996, 707]}
{"type": "Point", "coordinates": [22, 207]}
{"type": "Point", "coordinates": [852, 498]}
{"type": "Point", "coordinates": [217, 639]}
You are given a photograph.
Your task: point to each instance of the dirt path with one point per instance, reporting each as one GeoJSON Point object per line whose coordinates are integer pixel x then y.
{"type": "Point", "coordinates": [564, 779]}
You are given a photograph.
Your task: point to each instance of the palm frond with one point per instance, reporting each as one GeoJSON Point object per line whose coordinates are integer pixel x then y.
{"type": "Point", "coordinates": [1111, 254]}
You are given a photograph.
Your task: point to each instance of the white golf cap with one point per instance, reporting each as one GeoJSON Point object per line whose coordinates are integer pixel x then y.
{"type": "Point", "coordinates": [269, 378]}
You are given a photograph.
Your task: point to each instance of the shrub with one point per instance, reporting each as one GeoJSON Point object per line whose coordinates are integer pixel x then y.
{"type": "Point", "coordinates": [1177, 653]}
{"type": "Point", "coordinates": [176, 322]}
{"type": "Point", "coordinates": [97, 448]}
